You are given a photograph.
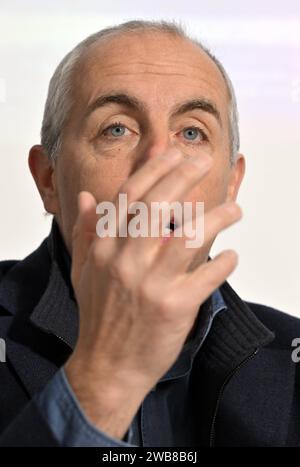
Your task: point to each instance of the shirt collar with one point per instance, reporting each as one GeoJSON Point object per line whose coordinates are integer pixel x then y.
{"type": "Point", "coordinates": [206, 314]}
{"type": "Point", "coordinates": [217, 302]}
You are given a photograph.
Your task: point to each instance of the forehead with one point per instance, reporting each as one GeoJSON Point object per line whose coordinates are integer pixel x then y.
{"type": "Point", "coordinates": [149, 63]}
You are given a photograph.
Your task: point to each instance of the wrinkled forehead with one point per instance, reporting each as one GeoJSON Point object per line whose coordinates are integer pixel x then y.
{"type": "Point", "coordinates": [123, 59]}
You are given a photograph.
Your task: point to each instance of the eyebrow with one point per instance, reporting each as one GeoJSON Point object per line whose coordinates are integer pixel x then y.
{"type": "Point", "coordinates": [135, 104]}
{"type": "Point", "coordinates": [121, 99]}
{"type": "Point", "coordinates": [201, 103]}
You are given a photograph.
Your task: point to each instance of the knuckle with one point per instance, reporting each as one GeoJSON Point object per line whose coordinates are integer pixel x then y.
{"type": "Point", "coordinates": [161, 304]}
{"type": "Point", "coordinates": [97, 254]}
{"type": "Point", "coordinates": [120, 270]}
{"type": "Point", "coordinates": [230, 212]}
{"type": "Point", "coordinates": [167, 306]}
{"type": "Point", "coordinates": [146, 292]}
{"type": "Point", "coordinates": [223, 217]}
{"type": "Point", "coordinates": [234, 211]}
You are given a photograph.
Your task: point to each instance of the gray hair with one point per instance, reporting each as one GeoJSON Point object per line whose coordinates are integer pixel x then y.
{"type": "Point", "coordinates": [59, 99]}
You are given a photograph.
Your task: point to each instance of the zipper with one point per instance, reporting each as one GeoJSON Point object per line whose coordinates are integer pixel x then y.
{"type": "Point", "coordinates": [220, 394]}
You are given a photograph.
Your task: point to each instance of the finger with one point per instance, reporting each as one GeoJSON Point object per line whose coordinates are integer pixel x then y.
{"type": "Point", "coordinates": [179, 181]}
{"type": "Point", "coordinates": [87, 212]}
{"type": "Point", "coordinates": [172, 188]}
{"type": "Point", "coordinates": [143, 179]}
{"type": "Point", "coordinates": [84, 232]}
{"type": "Point", "coordinates": [200, 284]}
{"type": "Point", "coordinates": [175, 256]}
{"type": "Point", "coordinates": [150, 173]}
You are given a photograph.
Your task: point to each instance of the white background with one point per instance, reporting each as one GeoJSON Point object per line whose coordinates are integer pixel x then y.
{"type": "Point", "coordinates": [260, 48]}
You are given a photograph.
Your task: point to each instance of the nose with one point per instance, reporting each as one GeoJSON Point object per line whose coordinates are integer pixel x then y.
{"type": "Point", "coordinates": [155, 145]}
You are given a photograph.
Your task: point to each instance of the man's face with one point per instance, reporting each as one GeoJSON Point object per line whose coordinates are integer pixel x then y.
{"type": "Point", "coordinates": [153, 75]}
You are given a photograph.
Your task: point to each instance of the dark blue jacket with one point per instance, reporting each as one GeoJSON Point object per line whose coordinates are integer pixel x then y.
{"type": "Point", "coordinates": [246, 391]}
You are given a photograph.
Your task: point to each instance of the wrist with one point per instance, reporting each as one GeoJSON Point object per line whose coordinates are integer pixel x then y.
{"type": "Point", "coordinates": [109, 399]}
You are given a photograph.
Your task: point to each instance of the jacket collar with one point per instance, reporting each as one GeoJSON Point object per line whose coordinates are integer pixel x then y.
{"type": "Point", "coordinates": [39, 289]}
{"type": "Point", "coordinates": [43, 323]}
{"type": "Point", "coordinates": [235, 334]}
{"type": "Point", "coordinates": [56, 312]}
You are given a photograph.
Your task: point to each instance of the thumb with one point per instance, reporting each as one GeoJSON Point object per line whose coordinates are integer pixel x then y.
{"type": "Point", "coordinates": [84, 232]}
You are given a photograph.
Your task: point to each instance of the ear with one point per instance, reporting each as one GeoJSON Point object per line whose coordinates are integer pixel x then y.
{"type": "Point", "coordinates": [43, 172]}
{"type": "Point", "coordinates": [236, 176]}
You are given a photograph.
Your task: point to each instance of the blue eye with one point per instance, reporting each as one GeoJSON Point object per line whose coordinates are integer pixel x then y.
{"type": "Point", "coordinates": [191, 133]}
{"type": "Point", "coordinates": [117, 130]}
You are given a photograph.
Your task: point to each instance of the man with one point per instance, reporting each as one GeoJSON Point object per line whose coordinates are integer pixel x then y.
{"type": "Point", "coordinates": [121, 341]}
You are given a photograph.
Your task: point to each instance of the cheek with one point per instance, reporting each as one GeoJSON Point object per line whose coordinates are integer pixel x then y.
{"type": "Point", "coordinates": [67, 192]}
{"type": "Point", "coordinates": [102, 178]}
{"type": "Point", "coordinates": [212, 189]}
